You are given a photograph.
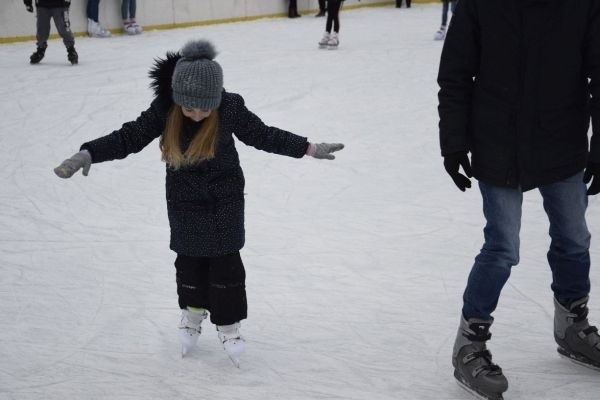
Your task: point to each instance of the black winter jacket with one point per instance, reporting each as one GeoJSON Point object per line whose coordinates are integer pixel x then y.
{"type": "Point", "coordinates": [49, 3]}
{"type": "Point", "coordinates": [205, 203]}
{"type": "Point", "coordinates": [515, 90]}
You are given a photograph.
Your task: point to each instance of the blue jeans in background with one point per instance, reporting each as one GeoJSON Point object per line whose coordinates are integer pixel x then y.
{"type": "Point", "coordinates": [128, 9]}
{"type": "Point", "coordinates": [565, 203]}
{"type": "Point", "coordinates": [92, 9]}
{"type": "Point", "coordinates": [447, 4]}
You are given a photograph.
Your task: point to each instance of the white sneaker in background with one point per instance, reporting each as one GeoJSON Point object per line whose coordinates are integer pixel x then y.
{"type": "Point", "coordinates": [233, 343]}
{"type": "Point", "coordinates": [96, 30]}
{"type": "Point", "coordinates": [190, 329]}
{"type": "Point", "coordinates": [440, 34]}
{"type": "Point", "coordinates": [128, 27]}
{"type": "Point", "coordinates": [136, 26]}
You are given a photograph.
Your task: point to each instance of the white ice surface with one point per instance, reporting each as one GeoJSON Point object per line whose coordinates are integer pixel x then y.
{"type": "Point", "coordinates": [355, 267]}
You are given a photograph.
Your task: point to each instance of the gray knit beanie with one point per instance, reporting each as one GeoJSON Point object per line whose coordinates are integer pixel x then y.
{"type": "Point", "coordinates": [197, 79]}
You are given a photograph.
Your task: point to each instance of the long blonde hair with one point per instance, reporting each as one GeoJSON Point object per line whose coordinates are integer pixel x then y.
{"type": "Point", "coordinates": [202, 146]}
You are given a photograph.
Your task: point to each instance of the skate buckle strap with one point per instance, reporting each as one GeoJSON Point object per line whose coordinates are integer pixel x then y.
{"type": "Point", "coordinates": [489, 368]}
{"type": "Point", "coordinates": [587, 331]}
{"type": "Point", "coordinates": [580, 313]}
{"type": "Point", "coordinates": [478, 336]}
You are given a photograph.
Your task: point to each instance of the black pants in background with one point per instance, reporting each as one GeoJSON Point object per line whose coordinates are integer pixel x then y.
{"type": "Point", "coordinates": [60, 15]}
{"type": "Point", "coordinates": [333, 12]}
{"type": "Point", "coordinates": [214, 283]}
{"type": "Point", "coordinates": [399, 3]}
{"type": "Point", "coordinates": [322, 5]}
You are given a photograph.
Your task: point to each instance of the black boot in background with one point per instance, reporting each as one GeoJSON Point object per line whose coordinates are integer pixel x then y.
{"type": "Point", "coordinates": [72, 55]}
{"type": "Point", "coordinates": [293, 10]}
{"type": "Point", "coordinates": [39, 54]}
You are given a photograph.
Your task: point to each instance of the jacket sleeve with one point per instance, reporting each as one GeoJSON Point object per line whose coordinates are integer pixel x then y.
{"type": "Point", "coordinates": [131, 138]}
{"type": "Point", "coordinates": [592, 69]}
{"type": "Point", "coordinates": [459, 65]}
{"type": "Point", "coordinates": [27, 3]}
{"type": "Point", "coordinates": [253, 132]}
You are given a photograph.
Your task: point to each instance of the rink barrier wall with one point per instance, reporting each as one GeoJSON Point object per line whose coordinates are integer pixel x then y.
{"type": "Point", "coordinates": [18, 25]}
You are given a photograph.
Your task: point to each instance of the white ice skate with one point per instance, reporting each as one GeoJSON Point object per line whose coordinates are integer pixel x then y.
{"type": "Point", "coordinates": [96, 30]}
{"type": "Point", "coordinates": [323, 42]}
{"type": "Point", "coordinates": [136, 26]}
{"type": "Point", "coordinates": [128, 27]}
{"type": "Point", "coordinates": [334, 41]}
{"type": "Point", "coordinates": [440, 34]}
{"type": "Point", "coordinates": [190, 329]}
{"type": "Point", "coordinates": [233, 343]}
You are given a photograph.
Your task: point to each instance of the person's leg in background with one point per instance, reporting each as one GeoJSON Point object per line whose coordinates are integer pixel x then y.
{"type": "Point", "coordinates": [293, 10]}
{"type": "Point", "coordinates": [63, 26]}
{"type": "Point", "coordinates": [94, 27]}
{"type": "Point", "coordinates": [42, 32]}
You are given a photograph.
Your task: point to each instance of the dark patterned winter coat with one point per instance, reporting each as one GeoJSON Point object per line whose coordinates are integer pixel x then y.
{"type": "Point", "coordinates": [519, 82]}
{"type": "Point", "coordinates": [205, 203]}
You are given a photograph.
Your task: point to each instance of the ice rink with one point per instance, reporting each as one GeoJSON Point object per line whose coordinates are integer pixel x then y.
{"type": "Point", "coordinates": [355, 267]}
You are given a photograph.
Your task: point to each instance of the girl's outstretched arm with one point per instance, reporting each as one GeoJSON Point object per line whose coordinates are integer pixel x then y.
{"type": "Point", "coordinates": [131, 138]}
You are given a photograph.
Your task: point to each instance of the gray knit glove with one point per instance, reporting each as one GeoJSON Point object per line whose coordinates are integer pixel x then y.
{"type": "Point", "coordinates": [83, 159]}
{"type": "Point", "coordinates": [323, 150]}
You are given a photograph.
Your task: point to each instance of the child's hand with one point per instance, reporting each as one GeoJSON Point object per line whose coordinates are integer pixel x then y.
{"type": "Point", "coordinates": [323, 150]}
{"type": "Point", "coordinates": [83, 159]}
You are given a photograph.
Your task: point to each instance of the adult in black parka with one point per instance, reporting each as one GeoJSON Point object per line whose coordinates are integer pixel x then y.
{"type": "Point", "coordinates": [520, 81]}
{"type": "Point", "coordinates": [196, 120]}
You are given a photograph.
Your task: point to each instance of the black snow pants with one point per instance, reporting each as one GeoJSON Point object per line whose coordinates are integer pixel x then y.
{"type": "Point", "coordinates": [214, 283]}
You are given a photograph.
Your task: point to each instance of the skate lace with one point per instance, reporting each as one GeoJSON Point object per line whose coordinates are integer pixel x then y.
{"type": "Point", "coordinates": [489, 368]}
{"type": "Point", "coordinates": [191, 330]}
{"type": "Point", "coordinates": [230, 337]}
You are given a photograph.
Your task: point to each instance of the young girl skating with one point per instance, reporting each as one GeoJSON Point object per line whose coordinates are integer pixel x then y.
{"type": "Point", "coordinates": [195, 119]}
{"type": "Point", "coordinates": [331, 39]}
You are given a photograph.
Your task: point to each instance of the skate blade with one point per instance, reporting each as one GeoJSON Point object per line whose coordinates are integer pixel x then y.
{"type": "Point", "coordinates": [475, 392]}
{"type": "Point", "coordinates": [185, 350]}
{"type": "Point", "coordinates": [235, 361]}
{"type": "Point", "coordinates": [583, 361]}
{"type": "Point", "coordinates": [322, 46]}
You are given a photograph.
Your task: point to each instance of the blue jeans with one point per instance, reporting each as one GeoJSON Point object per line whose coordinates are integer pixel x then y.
{"type": "Point", "coordinates": [565, 203]}
{"type": "Point", "coordinates": [445, 7]}
{"type": "Point", "coordinates": [128, 9]}
{"type": "Point", "coordinates": [92, 9]}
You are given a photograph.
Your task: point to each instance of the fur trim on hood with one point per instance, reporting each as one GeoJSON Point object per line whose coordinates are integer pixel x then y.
{"type": "Point", "coordinates": [161, 74]}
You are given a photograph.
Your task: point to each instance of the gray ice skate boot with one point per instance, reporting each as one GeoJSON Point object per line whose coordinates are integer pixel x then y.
{"type": "Point", "coordinates": [472, 361]}
{"type": "Point", "coordinates": [576, 339]}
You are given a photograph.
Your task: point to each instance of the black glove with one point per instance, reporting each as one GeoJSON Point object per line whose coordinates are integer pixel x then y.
{"type": "Point", "coordinates": [29, 8]}
{"type": "Point", "coordinates": [592, 171]}
{"type": "Point", "coordinates": [452, 163]}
